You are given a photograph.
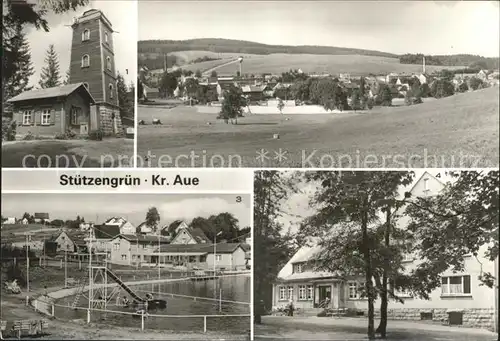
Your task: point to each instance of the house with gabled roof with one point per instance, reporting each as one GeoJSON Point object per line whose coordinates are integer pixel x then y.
{"type": "Point", "coordinates": [187, 235]}
{"type": "Point", "coordinates": [125, 226]}
{"type": "Point", "coordinates": [135, 249]}
{"type": "Point", "coordinates": [313, 289]}
{"type": "Point", "coordinates": [53, 111]}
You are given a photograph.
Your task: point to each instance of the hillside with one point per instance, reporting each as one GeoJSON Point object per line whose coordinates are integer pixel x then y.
{"type": "Point", "coordinates": [355, 65]}
{"type": "Point", "coordinates": [159, 47]}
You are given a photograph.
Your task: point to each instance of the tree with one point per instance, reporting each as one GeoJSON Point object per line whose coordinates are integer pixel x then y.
{"type": "Point", "coordinates": [446, 75]}
{"type": "Point", "coordinates": [461, 220]}
{"type": "Point", "coordinates": [385, 95]}
{"type": "Point", "coordinates": [442, 88]}
{"type": "Point", "coordinates": [197, 74]}
{"type": "Point", "coordinates": [18, 15]}
{"type": "Point", "coordinates": [153, 218]}
{"type": "Point", "coordinates": [191, 85]}
{"type": "Point", "coordinates": [168, 83]}
{"type": "Point", "coordinates": [140, 89]}
{"type": "Point", "coordinates": [126, 105]}
{"type": "Point", "coordinates": [475, 83]}
{"type": "Point", "coordinates": [463, 87]}
{"type": "Point", "coordinates": [19, 79]}
{"type": "Point", "coordinates": [66, 80]}
{"type": "Point", "coordinates": [271, 249]}
{"type": "Point", "coordinates": [50, 77]}
{"type": "Point", "coordinates": [213, 74]}
{"type": "Point", "coordinates": [232, 105]}
{"type": "Point", "coordinates": [281, 105]}
{"type": "Point", "coordinates": [349, 203]}
{"type": "Point", "coordinates": [356, 100]}
{"type": "Point", "coordinates": [425, 90]}
{"type": "Point", "coordinates": [57, 223]}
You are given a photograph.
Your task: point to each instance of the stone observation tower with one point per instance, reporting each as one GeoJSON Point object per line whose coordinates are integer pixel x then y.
{"type": "Point", "coordinates": [93, 63]}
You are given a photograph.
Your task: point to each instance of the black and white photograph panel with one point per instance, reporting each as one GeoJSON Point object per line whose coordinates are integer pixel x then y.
{"type": "Point", "coordinates": [361, 255]}
{"type": "Point", "coordinates": [126, 266]}
{"type": "Point", "coordinates": [318, 84]}
{"type": "Point", "coordinates": [68, 83]}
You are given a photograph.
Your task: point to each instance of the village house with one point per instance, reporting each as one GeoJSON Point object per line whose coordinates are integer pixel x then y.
{"type": "Point", "coordinates": [24, 221]}
{"type": "Point", "coordinates": [134, 249]}
{"type": "Point", "coordinates": [10, 220]}
{"type": "Point", "coordinates": [187, 235]}
{"type": "Point", "coordinates": [228, 256]}
{"type": "Point", "coordinates": [461, 299]}
{"type": "Point", "coordinates": [125, 226]}
{"type": "Point", "coordinates": [53, 111]}
{"type": "Point", "coordinates": [100, 236]}
{"type": "Point", "coordinates": [253, 93]}
{"type": "Point", "coordinates": [64, 242]}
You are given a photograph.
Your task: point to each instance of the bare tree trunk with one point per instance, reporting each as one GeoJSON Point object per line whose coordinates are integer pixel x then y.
{"type": "Point", "coordinates": [368, 272]}
{"type": "Point", "coordinates": [382, 328]}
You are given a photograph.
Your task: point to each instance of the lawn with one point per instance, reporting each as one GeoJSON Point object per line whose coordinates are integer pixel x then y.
{"type": "Point", "coordinates": [113, 152]}
{"type": "Point", "coordinates": [356, 65]}
{"type": "Point", "coordinates": [459, 131]}
{"type": "Point", "coordinates": [323, 328]}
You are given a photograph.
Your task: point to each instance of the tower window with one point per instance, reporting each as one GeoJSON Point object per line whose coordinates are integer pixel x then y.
{"type": "Point", "coordinates": [111, 91]}
{"type": "Point", "coordinates": [86, 61]}
{"type": "Point", "coordinates": [106, 37]}
{"type": "Point", "coordinates": [86, 35]}
{"type": "Point", "coordinates": [108, 63]}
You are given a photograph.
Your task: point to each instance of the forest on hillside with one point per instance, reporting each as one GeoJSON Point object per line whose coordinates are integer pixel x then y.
{"type": "Point", "coordinates": [469, 60]}
{"type": "Point", "coordinates": [246, 47]}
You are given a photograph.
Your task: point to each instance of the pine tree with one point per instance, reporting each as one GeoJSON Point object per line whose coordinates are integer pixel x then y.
{"type": "Point", "coordinates": [23, 68]}
{"type": "Point", "coordinates": [50, 74]}
{"type": "Point", "coordinates": [66, 80]}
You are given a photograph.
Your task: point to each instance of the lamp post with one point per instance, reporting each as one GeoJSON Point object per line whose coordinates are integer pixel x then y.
{"type": "Point", "coordinates": [27, 264]}
{"type": "Point", "coordinates": [66, 268]}
{"type": "Point", "coordinates": [215, 261]}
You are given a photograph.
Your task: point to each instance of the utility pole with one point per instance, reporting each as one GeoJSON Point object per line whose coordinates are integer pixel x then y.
{"type": "Point", "coordinates": [90, 271]}
{"type": "Point", "coordinates": [27, 263]}
{"type": "Point", "coordinates": [215, 262]}
{"type": "Point", "coordinates": [66, 268]}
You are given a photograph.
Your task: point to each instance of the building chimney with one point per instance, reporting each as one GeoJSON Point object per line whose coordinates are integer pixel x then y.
{"type": "Point", "coordinates": [164, 63]}
{"type": "Point", "coordinates": [423, 65]}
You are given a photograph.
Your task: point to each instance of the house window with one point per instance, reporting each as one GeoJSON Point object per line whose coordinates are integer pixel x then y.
{"type": "Point", "coordinates": [108, 63]}
{"type": "Point", "coordinates": [116, 246]}
{"type": "Point", "coordinates": [74, 115]}
{"type": "Point", "coordinates": [133, 257]}
{"type": "Point", "coordinates": [354, 288]}
{"type": "Point", "coordinates": [282, 293]}
{"type": "Point", "coordinates": [426, 185]}
{"type": "Point", "coordinates": [218, 258]}
{"type": "Point", "coordinates": [85, 60]}
{"type": "Point", "coordinates": [27, 117]}
{"type": "Point", "coordinates": [302, 293]}
{"type": "Point", "coordinates": [455, 285]}
{"type": "Point", "coordinates": [124, 257]}
{"type": "Point", "coordinates": [46, 117]}
{"type": "Point", "coordinates": [144, 246]}
{"type": "Point", "coordinates": [86, 35]}
{"type": "Point", "coordinates": [290, 293]}
{"type": "Point", "coordinates": [111, 91]}
{"type": "Point", "coordinates": [310, 292]}
{"type": "Point", "coordinates": [407, 257]}
{"type": "Point", "coordinates": [298, 268]}
{"type": "Point", "coordinates": [106, 37]}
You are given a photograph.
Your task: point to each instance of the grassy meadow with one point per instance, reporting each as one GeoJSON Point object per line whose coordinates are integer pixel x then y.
{"type": "Point", "coordinates": [458, 131]}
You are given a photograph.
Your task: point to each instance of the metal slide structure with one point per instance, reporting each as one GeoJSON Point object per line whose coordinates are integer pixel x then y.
{"type": "Point", "coordinates": [125, 287]}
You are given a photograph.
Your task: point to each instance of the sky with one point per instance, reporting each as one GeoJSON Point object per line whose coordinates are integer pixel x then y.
{"type": "Point", "coordinates": [121, 14]}
{"type": "Point", "coordinates": [297, 206]}
{"type": "Point", "coordinates": [429, 27]}
{"type": "Point", "coordinates": [98, 207]}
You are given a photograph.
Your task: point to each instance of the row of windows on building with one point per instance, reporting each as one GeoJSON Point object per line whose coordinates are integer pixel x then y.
{"type": "Point", "coordinates": [450, 286]}
{"type": "Point", "coordinates": [189, 259]}
{"type": "Point", "coordinates": [86, 62]}
{"type": "Point", "coordinates": [46, 116]}
{"type": "Point", "coordinates": [86, 36]}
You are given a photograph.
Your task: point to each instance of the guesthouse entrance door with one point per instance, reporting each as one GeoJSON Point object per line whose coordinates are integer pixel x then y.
{"type": "Point", "coordinates": [325, 295]}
